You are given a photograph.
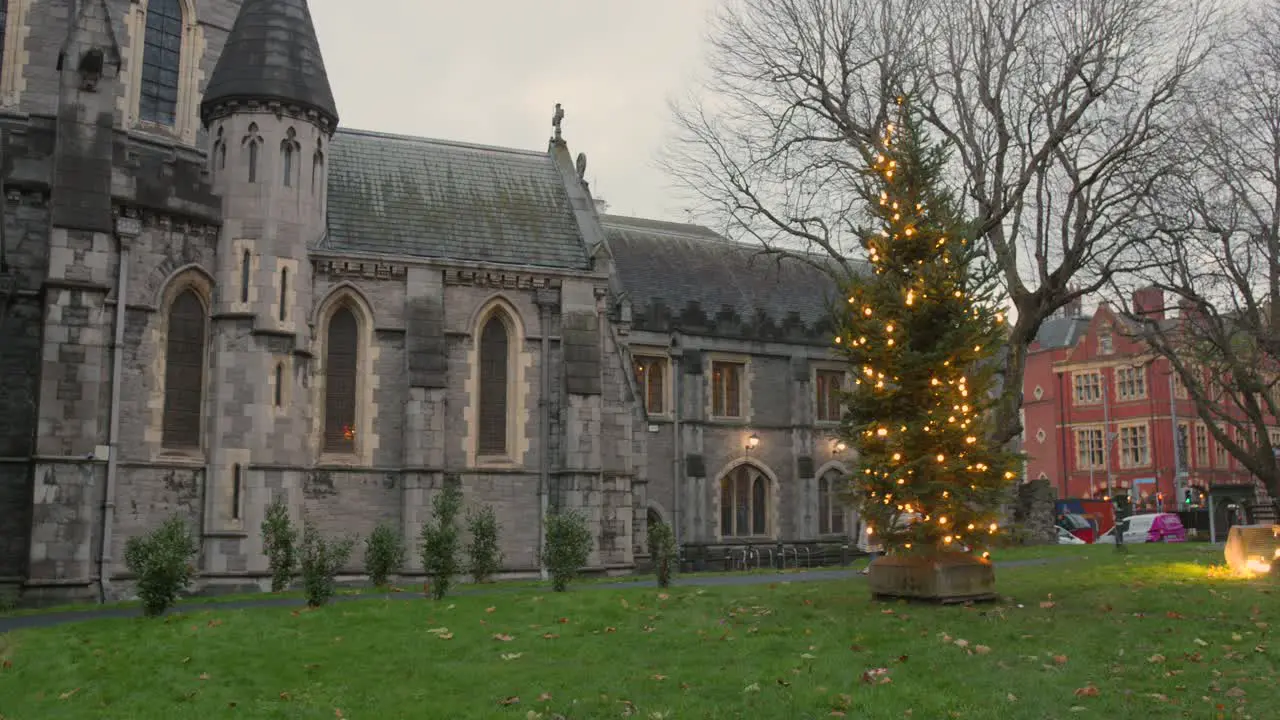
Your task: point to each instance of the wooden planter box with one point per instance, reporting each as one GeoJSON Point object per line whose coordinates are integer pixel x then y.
{"type": "Point", "coordinates": [941, 578]}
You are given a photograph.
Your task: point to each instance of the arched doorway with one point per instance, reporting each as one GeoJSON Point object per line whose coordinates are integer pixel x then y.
{"type": "Point", "coordinates": [744, 503]}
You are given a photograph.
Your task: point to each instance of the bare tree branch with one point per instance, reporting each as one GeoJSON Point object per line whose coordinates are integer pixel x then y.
{"type": "Point", "coordinates": [1219, 219]}
{"type": "Point", "coordinates": [1059, 113]}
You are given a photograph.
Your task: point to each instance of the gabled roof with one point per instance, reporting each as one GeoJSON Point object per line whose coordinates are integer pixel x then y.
{"type": "Point", "coordinates": [400, 195]}
{"type": "Point", "coordinates": [1060, 332]}
{"type": "Point", "coordinates": [271, 54]}
{"type": "Point", "coordinates": [688, 277]}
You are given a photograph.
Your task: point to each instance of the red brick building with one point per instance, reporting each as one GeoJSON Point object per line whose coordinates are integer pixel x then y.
{"type": "Point", "coordinates": [1100, 411]}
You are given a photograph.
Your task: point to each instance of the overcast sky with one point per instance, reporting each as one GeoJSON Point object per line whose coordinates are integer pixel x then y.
{"type": "Point", "coordinates": [491, 71]}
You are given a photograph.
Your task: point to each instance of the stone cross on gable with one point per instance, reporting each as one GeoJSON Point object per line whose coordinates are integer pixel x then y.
{"type": "Point", "coordinates": [556, 119]}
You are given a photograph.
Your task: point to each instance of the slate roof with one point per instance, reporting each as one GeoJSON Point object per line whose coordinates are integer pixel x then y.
{"type": "Point", "coordinates": [271, 54]}
{"type": "Point", "coordinates": [674, 264]}
{"type": "Point", "coordinates": [400, 195]}
{"type": "Point", "coordinates": [1060, 332]}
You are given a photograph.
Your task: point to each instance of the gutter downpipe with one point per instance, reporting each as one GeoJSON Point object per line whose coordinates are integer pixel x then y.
{"type": "Point", "coordinates": [677, 369]}
{"type": "Point", "coordinates": [544, 431]}
{"type": "Point", "coordinates": [126, 230]}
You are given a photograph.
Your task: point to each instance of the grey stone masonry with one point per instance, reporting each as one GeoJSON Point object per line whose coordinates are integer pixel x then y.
{"type": "Point", "coordinates": [89, 65]}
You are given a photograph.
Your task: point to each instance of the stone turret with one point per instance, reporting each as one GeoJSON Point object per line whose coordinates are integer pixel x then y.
{"type": "Point", "coordinates": [270, 114]}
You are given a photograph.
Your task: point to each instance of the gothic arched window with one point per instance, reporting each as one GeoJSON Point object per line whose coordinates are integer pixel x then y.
{"type": "Point", "coordinates": [284, 293]}
{"type": "Point", "coordinates": [830, 504]}
{"type": "Point", "coordinates": [253, 141]}
{"type": "Point", "coordinates": [495, 347]}
{"type": "Point", "coordinates": [246, 265]}
{"type": "Point", "coordinates": [744, 503]}
{"type": "Point", "coordinates": [342, 351]}
{"type": "Point", "coordinates": [219, 150]}
{"type": "Point", "coordinates": [317, 168]}
{"type": "Point", "coordinates": [161, 59]}
{"type": "Point", "coordinates": [184, 372]}
{"type": "Point", "coordinates": [279, 388]}
{"type": "Point", "coordinates": [288, 150]}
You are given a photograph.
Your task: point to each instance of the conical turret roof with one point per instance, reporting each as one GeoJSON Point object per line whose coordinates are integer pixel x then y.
{"type": "Point", "coordinates": [271, 54]}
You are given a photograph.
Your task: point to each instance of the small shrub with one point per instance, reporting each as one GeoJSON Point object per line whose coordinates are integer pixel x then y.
{"type": "Point", "coordinates": [662, 548]}
{"type": "Point", "coordinates": [8, 599]}
{"type": "Point", "coordinates": [322, 558]}
{"type": "Point", "coordinates": [568, 547]}
{"type": "Point", "coordinates": [161, 560]}
{"type": "Point", "coordinates": [383, 553]}
{"type": "Point", "coordinates": [484, 557]}
{"type": "Point", "coordinates": [279, 543]}
{"type": "Point", "coordinates": [441, 542]}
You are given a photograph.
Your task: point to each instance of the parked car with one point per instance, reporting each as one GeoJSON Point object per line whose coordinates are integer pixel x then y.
{"type": "Point", "coordinates": [1150, 527]}
{"type": "Point", "coordinates": [1078, 525]}
{"type": "Point", "coordinates": [1066, 538]}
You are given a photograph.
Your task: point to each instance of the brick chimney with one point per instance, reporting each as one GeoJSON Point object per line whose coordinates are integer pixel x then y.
{"type": "Point", "coordinates": [1148, 302]}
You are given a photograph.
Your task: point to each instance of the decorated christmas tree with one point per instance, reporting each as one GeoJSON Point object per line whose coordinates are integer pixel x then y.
{"type": "Point", "coordinates": [920, 332]}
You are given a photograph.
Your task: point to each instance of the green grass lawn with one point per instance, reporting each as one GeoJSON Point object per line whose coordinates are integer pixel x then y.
{"type": "Point", "coordinates": [1158, 633]}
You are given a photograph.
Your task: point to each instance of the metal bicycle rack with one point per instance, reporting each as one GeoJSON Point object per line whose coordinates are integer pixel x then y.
{"type": "Point", "coordinates": [808, 556]}
{"type": "Point", "coordinates": [758, 556]}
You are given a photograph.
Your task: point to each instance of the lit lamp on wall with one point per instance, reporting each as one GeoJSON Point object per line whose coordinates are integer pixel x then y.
{"type": "Point", "coordinates": [838, 446]}
{"type": "Point", "coordinates": [753, 442]}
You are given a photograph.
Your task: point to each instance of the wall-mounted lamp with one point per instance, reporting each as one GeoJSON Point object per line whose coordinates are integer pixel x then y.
{"type": "Point", "coordinates": [753, 442]}
{"type": "Point", "coordinates": [838, 446]}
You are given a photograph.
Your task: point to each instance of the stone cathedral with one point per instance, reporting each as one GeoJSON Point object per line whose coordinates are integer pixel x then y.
{"type": "Point", "coordinates": [214, 295]}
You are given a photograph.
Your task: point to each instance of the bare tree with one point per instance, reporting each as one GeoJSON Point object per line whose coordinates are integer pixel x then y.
{"type": "Point", "coordinates": [1219, 219]}
{"type": "Point", "coordinates": [1057, 112]}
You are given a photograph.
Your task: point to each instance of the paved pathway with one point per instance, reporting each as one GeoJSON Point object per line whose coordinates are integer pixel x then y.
{"type": "Point", "coordinates": [51, 619]}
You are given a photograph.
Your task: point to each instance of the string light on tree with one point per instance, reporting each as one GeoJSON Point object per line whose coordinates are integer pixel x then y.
{"type": "Point", "coordinates": [919, 333]}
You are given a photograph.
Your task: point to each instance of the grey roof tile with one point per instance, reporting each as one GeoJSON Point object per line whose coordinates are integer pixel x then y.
{"type": "Point", "coordinates": [1060, 332]}
{"type": "Point", "coordinates": [271, 54]}
{"type": "Point", "coordinates": [414, 196]}
{"type": "Point", "coordinates": [671, 265]}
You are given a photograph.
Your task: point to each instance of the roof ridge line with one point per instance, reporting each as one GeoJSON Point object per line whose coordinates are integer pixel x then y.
{"type": "Point", "coordinates": [440, 141]}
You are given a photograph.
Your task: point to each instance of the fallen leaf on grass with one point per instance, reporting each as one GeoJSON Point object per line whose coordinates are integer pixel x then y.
{"type": "Point", "coordinates": [490, 609]}
{"type": "Point", "coordinates": [1047, 604]}
{"type": "Point", "coordinates": [981, 649]}
{"type": "Point", "coordinates": [1089, 690]}
{"type": "Point", "coordinates": [204, 676]}
{"type": "Point", "coordinates": [752, 688]}
{"type": "Point", "coordinates": [611, 629]}
{"type": "Point", "coordinates": [962, 643]}
{"type": "Point", "coordinates": [549, 636]}
{"type": "Point", "coordinates": [1157, 658]}
{"type": "Point", "coordinates": [878, 676]}
{"type": "Point", "coordinates": [1173, 615]}
{"type": "Point", "coordinates": [510, 701]}
{"type": "Point", "coordinates": [510, 656]}
{"type": "Point", "coordinates": [445, 636]}
{"type": "Point", "coordinates": [337, 713]}
{"type": "Point", "coordinates": [1200, 642]}
{"type": "Point", "coordinates": [544, 697]}
{"type": "Point", "coordinates": [1236, 692]}
{"type": "Point", "coordinates": [285, 696]}
{"type": "Point", "coordinates": [659, 678]}
{"type": "Point", "coordinates": [437, 631]}
{"type": "Point", "coordinates": [68, 694]}
{"type": "Point", "coordinates": [1011, 697]}
{"type": "Point", "coordinates": [663, 596]}
{"type": "Point", "coordinates": [625, 604]}
{"type": "Point", "coordinates": [1060, 659]}
{"type": "Point", "coordinates": [503, 637]}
